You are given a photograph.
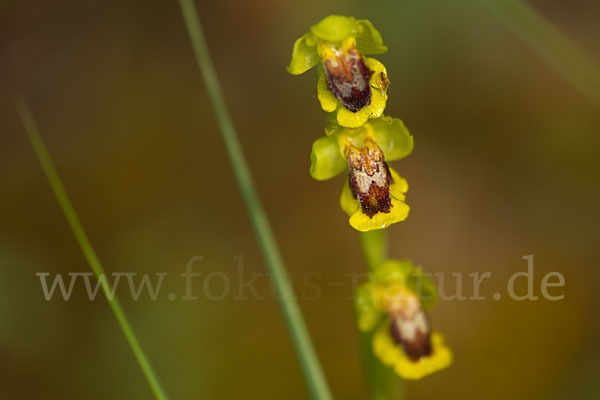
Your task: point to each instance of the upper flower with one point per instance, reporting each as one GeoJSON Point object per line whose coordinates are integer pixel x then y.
{"type": "Point", "coordinates": [393, 305]}
{"type": "Point", "coordinates": [334, 29]}
{"type": "Point", "coordinates": [373, 195]}
{"type": "Point", "coordinates": [350, 85]}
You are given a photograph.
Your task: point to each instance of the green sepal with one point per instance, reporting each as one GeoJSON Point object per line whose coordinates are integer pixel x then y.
{"type": "Point", "coordinates": [405, 273]}
{"type": "Point", "coordinates": [368, 40]}
{"type": "Point", "coordinates": [304, 55]}
{"type": "Point", "coordinates": [332, 126]}
{"type": "Point", "coordinates": [335, 28]}
{"type": "Point", "coordinates": [392, 137]}
{"type": "Point", "coordinates": [367, 313]}
{"type": "Point", "coordinates": [326, 161]}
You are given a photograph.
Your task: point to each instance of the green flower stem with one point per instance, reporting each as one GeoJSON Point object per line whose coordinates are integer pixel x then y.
{"type": "Point", "coordinates": [86, 247]}
{"type": "Point", "coordinates": [374, 247]}
{"type": "Point", "coordinates": [311, 368]}
{"type": "Point", "coordinates": [382, 382]}
{"type": "Point", "coordinates": [550, 43]}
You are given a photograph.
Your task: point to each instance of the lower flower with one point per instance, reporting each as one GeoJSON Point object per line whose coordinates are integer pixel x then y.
{"type": "Point", "coordinates": [392, 305]}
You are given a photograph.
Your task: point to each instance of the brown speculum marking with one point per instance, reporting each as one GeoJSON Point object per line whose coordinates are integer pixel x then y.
{"type": "Point", "coordinates": [348, 79]}
{"type": "Point", "coordinates": [410, 328]}
{"type": "Point", "coordinates": [370, 178]}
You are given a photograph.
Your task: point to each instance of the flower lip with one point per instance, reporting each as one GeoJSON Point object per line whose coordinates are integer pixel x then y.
{"type": "Point", "coordinates": [362, 222]}
{"type": "Point", "coordinates": [402, 292]}
{"type": "Point", "coordinates": [348, 79]}
{"type": "Point", "coordinates": [369, 178]}
{"type": "Point", "coordinates": [409, 325]}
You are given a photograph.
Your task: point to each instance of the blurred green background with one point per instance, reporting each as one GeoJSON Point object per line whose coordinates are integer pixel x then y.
{"type": "Point", "coordinates": [505, 165]}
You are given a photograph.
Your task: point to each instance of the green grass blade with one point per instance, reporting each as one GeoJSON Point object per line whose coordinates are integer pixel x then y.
{"type": "Point", "coordinates": [550, 43]}
{"type": "Point", "coordinates": [311, 368]}
{"type": "Point", "coordinates": [86, 247]}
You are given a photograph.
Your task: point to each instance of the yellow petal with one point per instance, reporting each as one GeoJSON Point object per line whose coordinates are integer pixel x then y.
{"type": "Point", "coordinates": [378, 102]}
{"type": "Point", "coordinates": [399, 186]}
{"type": "Point", "coordinates": [328, 101]}
{"type": "Point", "coordinates": [350, 119]}
{"type": "Point", "coordinates": [347, 201]}
{"type": "Point", "coordinates": [384, 348]}
{"type": "Point", "coordinates": [363, 223]}
{"type": "Point", "coordinates": [440, 358]}
{"type": "Point", "coordinates": [376, 68]}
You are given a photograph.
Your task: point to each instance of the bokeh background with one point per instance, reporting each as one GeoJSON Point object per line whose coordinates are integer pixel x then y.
{"type": "Point", "coordinates": [505, 165]}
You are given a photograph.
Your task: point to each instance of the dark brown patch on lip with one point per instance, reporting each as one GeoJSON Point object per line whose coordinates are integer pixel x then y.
{"type": "Point", "coordinates": [416, 344]}
{"type": "Point", "coordinates": [370, 178]}
{"type": "Point", "coordinates": [376, 200]}
{"type": "Point", "coordinates": [348, 79]}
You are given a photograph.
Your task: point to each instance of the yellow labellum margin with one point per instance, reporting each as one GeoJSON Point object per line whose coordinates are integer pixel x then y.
{"type": "Point", "coordinates": [347, 118]}
{"type": "Point", "coordinates": [392, 354]}
{"type": "Point", "coordinates": [362, 222]}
